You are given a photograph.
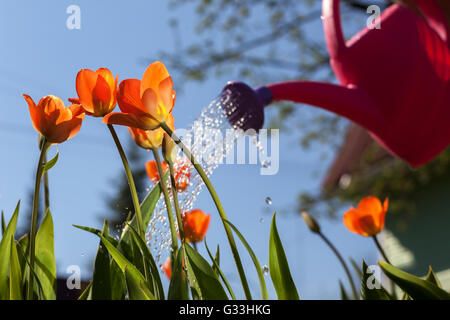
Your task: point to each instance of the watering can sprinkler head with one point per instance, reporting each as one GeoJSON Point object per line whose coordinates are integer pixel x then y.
{"type": "Point", "coordinates": [244, 106]}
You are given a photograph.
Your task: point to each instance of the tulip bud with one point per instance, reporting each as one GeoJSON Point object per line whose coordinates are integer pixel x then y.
{"type": "Point", "coordinates": [169, 149]}
{"type": "Point", "coordinates": [311, 223]}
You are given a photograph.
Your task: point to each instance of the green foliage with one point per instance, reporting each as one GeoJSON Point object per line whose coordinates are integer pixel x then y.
{"type": "Point", "coordinates": [14, 264]}
{"type": "Point", "coordinates": [262, 282]}
{"type": "Point", "coordinates": [45, 258]}
{"type": "Point", "coordinates": [5, 254]}
{"type": "Point", "coordinates": [371, 289]}
{"type": "Point", "coordinates": [178, 288]}
{"type": "Point", "coordinates": [202, 277]}
{"type": "Point", "coordinates": [414, 287]}
{"type": "Point", "coordinates": [50, 164]}
{"type": "Point", "coordinates": [101, 280]}
{"type": "Point", "coordinates": [279, 267]}
{"type": "Point", "coordinates": [216, 267]}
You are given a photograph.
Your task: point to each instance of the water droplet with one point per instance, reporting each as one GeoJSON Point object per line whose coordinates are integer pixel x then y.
{"type": "Point", "coordinates": [266, 163]}
{"type": "Point", "coordinates": [261, 220]}
{"type": "Point", "coordinates": [269, 201]}
{"type": "Point", "coordinates": [265, 270]}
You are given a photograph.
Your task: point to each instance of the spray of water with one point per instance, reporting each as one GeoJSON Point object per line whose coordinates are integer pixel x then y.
{"type": "Point", "coordinates": [210, 138]}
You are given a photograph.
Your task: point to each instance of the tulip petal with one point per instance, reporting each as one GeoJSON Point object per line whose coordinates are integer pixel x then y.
{"type": "Point", "coordinates": [151, 105]}
{"type": "Point", "coordinates": [129, 98]}
{"type": "Point", "coordinates": [123, 119]}
{"type": "Point", "coordinates": [131, 120]}
{"type": "Point", "coordinates": [351, 221]}
{"type": "Point", "coordinates": [166, 93]}
{"type": "Point", "coordinates": [101, 97]}
{"type": "Point", "coordinates": [85, 84]}
{"type": "Point", "coordinates": [147, 139]}
{"type": "Point", "coordinates": [152, 171]}
{"type": "Point", "coordinates": [155, 73]}
{"type": "Point", "coordinates": [74, 100]}
{"type": "Point", "coordinates": [66, 130]}
{"type": "Point", "coordinates": [106, 74]}
{"type": "Point", "coordinates": [367, 224]}
{"type": "Point", "coordinates": [34, 114]}
{"type": "Point", "coordinates": [371, 206]}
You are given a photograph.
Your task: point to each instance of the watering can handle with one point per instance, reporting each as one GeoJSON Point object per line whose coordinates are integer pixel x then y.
{"type": "Point", "coordinates": [334, 36]}
{"type": "Point", "coordinates": [350, 102]}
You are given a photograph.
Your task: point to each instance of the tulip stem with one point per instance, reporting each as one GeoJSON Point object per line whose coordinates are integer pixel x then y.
{"type": "Point", "coordinates": [34, 215]}
{"type": "Point", "coordinates": [176, 203]}
{"type": "Point", "coordinates": [380, 248]}
{"type": "Point", "coordinates": [46, 188]}
{"type": "Point", "coordinates": [219, 207]}
{"type": "Point", "coordinates": [134, 197]}
{"type": "Point", "coordinates": [342, 261]}
{"type": "Point", "coordinates": [163, 184]}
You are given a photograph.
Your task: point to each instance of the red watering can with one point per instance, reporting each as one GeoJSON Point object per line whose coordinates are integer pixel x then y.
{"type": "Point", "coordinates": [394, 81]}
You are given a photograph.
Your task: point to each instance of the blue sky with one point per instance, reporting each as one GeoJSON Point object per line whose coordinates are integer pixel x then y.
{"type": "Point", "coordinates": [40, 56]}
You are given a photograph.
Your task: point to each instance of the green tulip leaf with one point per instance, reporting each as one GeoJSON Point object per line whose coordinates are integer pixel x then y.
{"type": "Point", "coordinates": [432, 277]}
{"type": "Point", "coordinates": [101, 280]}
{"type": "Point", "coordinates": [371, 289]}
{"type": "Point", "coordinates": [154, 271]}
{"type": "Point", "coordinates": [279, 267]}
{"type": "Point", "coordinates": [5, 254]}
{"type": "Point", "coordinates": [415, 287]}
{"type": "Point", "coordinates": [15, 274]}
{"type": "Point", "coordinates": [137, 290]}
{"type": "Point", "coordinates": [218, 271]}
{"type": "Point", "coordinates": [202, 277]}
{"type": "Point", "coordinates": [178, 289]}
{"type": "Point", "coordinates": [262, 282]}
{"type": "Point", "coordinates": [344, 295]}
{"type": "Point", "coordinates": [85, 295]}
{"type": "Point", "coordinates": [51, 163]}
{"type": "Point", "coordinates": [45, 257]}
{"type": "Point", "coordinates": [3, 223]}
{"type": "Point", "coordinates": [133, 274]}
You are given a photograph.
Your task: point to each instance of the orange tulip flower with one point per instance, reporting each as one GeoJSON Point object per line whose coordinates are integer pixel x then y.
{"type": "Point", "coordinates": [167, 268]}
{"type": "Point", "coordinates": [182, 173]}
{"type": "Point", "coordinates": [53, 120]}
{"type": "Point", "coordinates": [152, 170]}
{"type": "Point", "coordinates": [368, 218]}
{"type": "Point", "coordinates": [96, 91]}
{"type": "Point", "coordinates": [145, 103]}
{"type": "Point", "coordinates": [149, 139]}
{"type": "Point", "coordinates": [195, 225]}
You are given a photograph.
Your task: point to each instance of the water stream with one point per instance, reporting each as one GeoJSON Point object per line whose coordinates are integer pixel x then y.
{"type": "Point", "coordinates": [210, 138]}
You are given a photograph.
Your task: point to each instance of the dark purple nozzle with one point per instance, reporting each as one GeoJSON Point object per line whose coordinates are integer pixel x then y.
{"type": "Point", "coordinates": [244, 106]}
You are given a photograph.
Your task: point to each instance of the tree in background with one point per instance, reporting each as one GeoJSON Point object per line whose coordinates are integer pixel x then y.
{"type": "Point", "coordinates": [267, 41]}
{"type": "Point", "coordinates": [263, 42]}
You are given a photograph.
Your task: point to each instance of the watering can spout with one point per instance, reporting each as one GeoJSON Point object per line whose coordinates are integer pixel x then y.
{"type": "Point", "coordinates": [244, 106]}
